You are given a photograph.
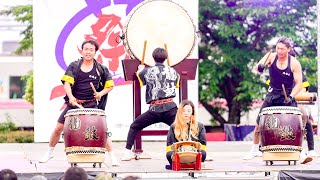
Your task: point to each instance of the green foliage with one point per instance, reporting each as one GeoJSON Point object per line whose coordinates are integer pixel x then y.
{"type": "Point", "coordinates": [23, 14]}
{"type": "Point", "coordinates": [29, 87]}
{"type": "Point", "coordinates": [235, 35]}
{"type": "Point", "coordinates": [17, 137]}
{"type": "Point", "coordinates": [3, 139]}
{"type": "Point", "coordinates": [7, 125]}
{"type": "Point", "coordinates": [24, 139]}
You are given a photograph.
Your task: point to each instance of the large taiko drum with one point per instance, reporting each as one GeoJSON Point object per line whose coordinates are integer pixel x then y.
{"type": "Point", "coordinates": [85, 135]}
{"type": "Point", "coordinates": [159, 22]}
{"type": "Point", "coordinates": [281, 131]}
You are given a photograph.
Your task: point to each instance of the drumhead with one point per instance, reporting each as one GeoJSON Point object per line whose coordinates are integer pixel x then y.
{"type": "Point", "coordinates": [280, 110]}
{"type": "Point", "coordinates": [94, 111]}
{"type": "Point", "coordinates": [159, 22]}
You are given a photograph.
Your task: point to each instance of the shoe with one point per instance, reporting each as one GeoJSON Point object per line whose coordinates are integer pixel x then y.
{"type": "Point", "coordinates": [304, 158]}
{"type": "Point", "coordinates": [46, 157]}
{"type": "Point", "coordinates": [312, 153]}
{"type": "Point", "coordinates": [114, 161]}
{"type": "Point", "coordinates": [127, 157]}
{"type": "Point", "coordinates": [168, 167]}
{"type": "Point", "coordinates": [252, 154]}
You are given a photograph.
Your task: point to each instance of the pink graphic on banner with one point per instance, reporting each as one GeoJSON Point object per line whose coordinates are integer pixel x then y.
{"type": "Point", "coordinates": [100, 33]}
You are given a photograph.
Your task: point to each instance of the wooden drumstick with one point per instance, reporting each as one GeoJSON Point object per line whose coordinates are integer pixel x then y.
{"type": "Point", "coordinates": [285, 93]}
{"type": "Point", "coordinates": [166, 48]}
{"type": "Point", "coordinates": [93, 88]}
{"type": "Point", "coordinates": [144, 52]}
{"type": "Point", "coordinates": [78, 105]}
{"type": "Point", "coordinates": [264, 63]}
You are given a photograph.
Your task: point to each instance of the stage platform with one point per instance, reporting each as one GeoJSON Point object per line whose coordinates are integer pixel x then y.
{"type": "Point", "coordinates": [225, 161]}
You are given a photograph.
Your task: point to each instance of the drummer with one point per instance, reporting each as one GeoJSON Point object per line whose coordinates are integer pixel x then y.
{"type": "Point", "coordinates": [283, 69]}
{"type": "Point", "coordinates": [160, 82]}
{"type": "Point", "coordinates": [80, 94]}
{"type": "Point", "coordinates": [186, 128]}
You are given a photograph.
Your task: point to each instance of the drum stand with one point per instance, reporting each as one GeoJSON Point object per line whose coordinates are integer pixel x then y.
{"type": "Point", "coordinates": [276, 154]}
{"type": "Point", "coordinates": [280, 156]}
{"type": "Point", "coordinates": [177, 165]}
{"type": "Point", "coordinates": [187, 71]}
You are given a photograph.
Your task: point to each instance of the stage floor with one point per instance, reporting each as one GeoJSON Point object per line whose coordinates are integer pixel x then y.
{"type": "Point", "coordinates": [226, 158]}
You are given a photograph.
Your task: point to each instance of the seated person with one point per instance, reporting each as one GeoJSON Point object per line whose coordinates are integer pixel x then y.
{"type": "Point", "coordinates": [186, 128]}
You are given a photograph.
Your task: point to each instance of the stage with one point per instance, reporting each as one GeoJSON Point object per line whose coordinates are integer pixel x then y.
{"type": "Point", "coordinates": [225, 161]}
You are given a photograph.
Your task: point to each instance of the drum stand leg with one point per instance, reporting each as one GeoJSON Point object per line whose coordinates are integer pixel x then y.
{"type": "Point", "coordinates": [198, 161]}
{"type": "Point", "coordinates": [176, 162]}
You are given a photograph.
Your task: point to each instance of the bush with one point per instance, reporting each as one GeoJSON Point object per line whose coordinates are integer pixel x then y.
{"type": "Point", "coordinates": [17, 137]}
{"type": "Point", "coordinates": [3, 139]}
{"type": "Point", "coordinates": [8, 125]}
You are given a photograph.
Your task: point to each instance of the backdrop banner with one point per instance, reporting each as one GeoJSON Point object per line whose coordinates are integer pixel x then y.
{"type": "Point", "coordinates": [60, 26]}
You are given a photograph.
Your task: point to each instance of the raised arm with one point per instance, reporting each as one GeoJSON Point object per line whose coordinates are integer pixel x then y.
{"type": "Point", "coordinates": [266, 60]}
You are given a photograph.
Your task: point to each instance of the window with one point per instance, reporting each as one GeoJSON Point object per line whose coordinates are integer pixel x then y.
{"type": "Point", "coordinates": [9, 47]}
{"type": "Point", "coordinates": [17, 87]}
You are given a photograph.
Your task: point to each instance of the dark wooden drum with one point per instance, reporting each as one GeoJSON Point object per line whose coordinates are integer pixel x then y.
{"type": "Point", "coordinates": [281, 129]}
{"type": "Point", "coordinates": [85, 135]}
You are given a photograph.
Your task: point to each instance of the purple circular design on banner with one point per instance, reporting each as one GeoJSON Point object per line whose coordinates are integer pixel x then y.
{"type": "Point", "coordinates": [93, 7]}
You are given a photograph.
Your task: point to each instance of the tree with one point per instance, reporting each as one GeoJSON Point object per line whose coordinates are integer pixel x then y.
{"type": "Point", "coordinates": [24, 14]}
{"type": "Point", "coordinates": [235, 35]}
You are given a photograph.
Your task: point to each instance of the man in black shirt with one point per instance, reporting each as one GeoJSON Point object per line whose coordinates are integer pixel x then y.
{"type": "Point", "coordinates": [76, 82]}
{"type": "Point", "coordinates": [160, 82]}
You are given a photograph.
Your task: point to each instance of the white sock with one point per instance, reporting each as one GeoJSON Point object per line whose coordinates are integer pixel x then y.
{"type": "Point", "coordinates": [128, 151]}
{"type": "Point", "coordinates": [111, 154]}
{"type": "Point", "coordinates": [50, 150]}
{"type": "Point", "coordinates": [255, 147]}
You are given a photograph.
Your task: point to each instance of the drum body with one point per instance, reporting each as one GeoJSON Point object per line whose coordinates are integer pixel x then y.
{"type": "Point", "coordinates": [159, 22]}
{"type": "Point", "coordinates": [85, 127]}
{"type": "Point", "coordinates": [187, 150]}
{"type": "Point", "coordinates": [85, 136]}
{"type": "Point", "coordinates": [281, 129]}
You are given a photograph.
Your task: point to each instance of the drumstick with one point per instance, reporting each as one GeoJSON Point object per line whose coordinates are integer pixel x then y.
{"type": "Point", "coordinates": [264, 63]}
{"type": "Point", "coordinates": [166, 48]}
{"type": "Point", "coordinates": [94, 89]}
{"type": "Point", "coordinates": [144, 52]}
{"type": "Point", "coordinates": [285, 93]}
{"type": "Point", "coordinates": [78, 105]}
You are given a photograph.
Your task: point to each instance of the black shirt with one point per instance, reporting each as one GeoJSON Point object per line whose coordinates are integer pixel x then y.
{"type": "Point", "coordinates": [82, 89]}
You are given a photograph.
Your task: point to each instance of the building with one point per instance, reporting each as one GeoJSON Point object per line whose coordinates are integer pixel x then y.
{"type": "Point", "coordinates": [12, 67]}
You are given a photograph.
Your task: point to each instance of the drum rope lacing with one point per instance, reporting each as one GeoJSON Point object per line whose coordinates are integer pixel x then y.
{"type": "Point", "coordinates": [280, 148]}
{"type": "Point", "coordinates": [73, 112]}
{"type": "Point", "coordinates": [280, 110]}
{"type": "Point", "coordinates": [85, 150]}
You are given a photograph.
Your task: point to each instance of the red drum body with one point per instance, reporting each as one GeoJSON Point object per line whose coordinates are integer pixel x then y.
{"type": "Point", "coordinates": [281, 129]}
{"type": "Point", "coordinates": [85, 136]}
{"type": "Point", "coordinates": [85, 127]}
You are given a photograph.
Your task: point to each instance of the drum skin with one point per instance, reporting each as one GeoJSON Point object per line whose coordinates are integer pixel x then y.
{"type": "Point", "coordinates": [159, 23]}
{"type": "Point", "coordinates": [85, 127]}
{"type": "Point", "coordinates": [281, 125]}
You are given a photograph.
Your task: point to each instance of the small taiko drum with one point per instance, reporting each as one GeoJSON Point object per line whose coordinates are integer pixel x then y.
{"type": "Point", "coordinates": [159, 23]}
{"type": "Point", "coordinates": [187, 150]}
{"type": "Point", "coordinates": [85, 135]}
{"type": "Point", "coordinates": [281, 133]}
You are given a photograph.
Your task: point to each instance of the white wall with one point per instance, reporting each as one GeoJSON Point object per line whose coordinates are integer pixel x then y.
{"type": "Point", "coordinates": [17, 109]}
